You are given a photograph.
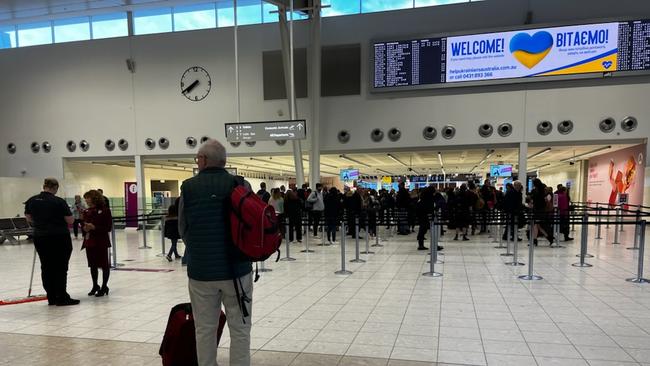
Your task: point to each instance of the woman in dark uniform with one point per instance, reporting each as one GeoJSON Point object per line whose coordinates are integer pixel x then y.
{"type": "Point", "coordinates": [97, 225]}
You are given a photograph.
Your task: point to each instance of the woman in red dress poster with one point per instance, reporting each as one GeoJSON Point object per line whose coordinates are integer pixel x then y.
{"type": "Point", "coordinates": [98, 223]}
{"type": "Point", "coordinates": [623, 180]}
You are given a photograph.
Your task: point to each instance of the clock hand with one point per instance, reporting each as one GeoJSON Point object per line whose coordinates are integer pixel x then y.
{"type": "Point", "coordinates": [192, 86]}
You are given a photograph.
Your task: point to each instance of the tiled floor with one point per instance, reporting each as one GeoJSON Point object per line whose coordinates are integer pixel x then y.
{"type": "Point", "coordinates": [386, 313]}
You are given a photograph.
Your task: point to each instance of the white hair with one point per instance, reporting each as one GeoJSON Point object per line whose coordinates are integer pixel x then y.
{"type": "Point", "coordinates": [214, 152]}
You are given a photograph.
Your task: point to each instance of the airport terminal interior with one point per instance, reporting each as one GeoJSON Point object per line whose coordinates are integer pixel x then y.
{"type": "Point", "coordinates": [437, 115]}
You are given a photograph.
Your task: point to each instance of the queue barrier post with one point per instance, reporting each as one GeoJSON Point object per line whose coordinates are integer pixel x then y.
{"type": "Point", "coordinates": [343, 271]}
{"type": "Point", "coordinates": [515, 245]}
{"type": "Point", "coordinates": [356, 242]}
{"type": "Point", "coordinates": [509, 233]}
{"type": "Point", "coordinates": [144, 232]}
{"type": "Point", "coordinates": [31, 277]}
{"type": "Point", "coordinates": [306, 236]}
{"type": "Point", "coordinates": [616, 231]}
{"type": "Point", "coordinates": [286, 241]}
{"type": "Point", "coordinates": [531, 256]}
{"type": "Point", "coordinates": [499, 237]}
{"type": "Point", "coordinates": [367, 251]}
{"type": "Point", "coordinates": [433, 251]}
{"type": "Point", "coordinates": [622, 220]}
{"type": "Point", "coordinates": [639, 276]}
{"type": "Point", "coordinates": [599, 221]}
{"type": "Point", "coordinates": [637, 232]}
{"type": "Point", "coordinates": [556, 230]}
{"type": "Point", "coordinates": [114, 246]}
{"type": "Point", "coordinates": [263, 268]}
{"type": "Point", "coordinates": [162, 237]}
{"type": "Point", "coordinates": [583, 243]}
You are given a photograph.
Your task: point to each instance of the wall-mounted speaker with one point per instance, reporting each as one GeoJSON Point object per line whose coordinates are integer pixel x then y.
{"type": "Point", "coordinates": [607, 125]}
{"type": "Point", "coordinates": [71, 146]}
{"type": "Point", "coordinates": [163, 142]}
{"type": "Point", "coordinates": [84, 145]}
{"type": "Point", "coordinates": [109, 145]}
{"type": "Point", "coordinates": [505, 129]}
{"type": "Point", "coordinates": [190, 142]}
{"type": "Point", "coordinates": [485, 130]}
{"type": "Point", "coordinates": [235, 143]}
{"type": "Point", "coordinates": [629, 124]}
{"type": "Point", "coordinates": [448, 132]}
{"type": "Point", "coordinates": [281, 142]}
{"type": "Point", "coordinates": [377, 135]}
{"type": "Point", "coordinates": [204, 139]}
{"type": "Point", "coordinates": [130, 64]}
{"type": "Point", "coordinates": [122, 144]}
{"type": "Point", "coordinates": [150, 143]}
{"type": "Point", "coordinates": [35, 147]}
{"type": "Point", "coordinates": [11, 148]}
{"type": "Point", "coordinates": [343, 137]}
{"type": "Point", "coordinates": [250, 143]}
{"type": "Point", "coordinates": [565, 127]}
{"type": "Point", "coordinates": [47, 147]}
{"type": "Point", "coordinates": [429, 133]}
{"type": "Point", "coordinates": [544, 128]}
{"type": "Point", "coordinates": [394, 134]}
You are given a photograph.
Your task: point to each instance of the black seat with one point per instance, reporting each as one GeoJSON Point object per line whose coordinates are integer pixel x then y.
{"type": "Point", "coordinates": [20, 223]}
{"type": "Point", "coordinates": [6, 224]}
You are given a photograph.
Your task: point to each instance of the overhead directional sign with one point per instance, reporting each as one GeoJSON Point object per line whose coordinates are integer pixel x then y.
{"type": "Point", "coordinates": [266, 131]}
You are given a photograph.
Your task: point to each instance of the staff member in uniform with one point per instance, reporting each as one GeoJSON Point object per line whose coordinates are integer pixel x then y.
{"type": "Point", "coordinates": [50, 217]}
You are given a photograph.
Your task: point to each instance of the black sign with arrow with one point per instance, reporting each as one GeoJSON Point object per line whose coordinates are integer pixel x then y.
{"type": "Point", "coordinates": [266, 131]}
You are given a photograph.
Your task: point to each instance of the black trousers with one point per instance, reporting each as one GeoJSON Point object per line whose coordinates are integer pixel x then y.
{"type": "Point", "coordinates": [295, 225]}
{"type": "Point", "coordinates": [315, 216]}
{"type": "Point", "coordinates": [54, 251]}
{"type": "Point", "coordinates": [75, 227]}
{"type": "Point", "coordinates": [422, 230]}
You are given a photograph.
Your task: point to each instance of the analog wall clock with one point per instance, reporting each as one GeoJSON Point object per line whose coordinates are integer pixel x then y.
{"type": "Point", "coordinates": [195, 83]}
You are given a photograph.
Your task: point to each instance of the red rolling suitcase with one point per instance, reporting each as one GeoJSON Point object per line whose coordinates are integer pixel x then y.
{"type": "Point", "coordinates": [178, 347]}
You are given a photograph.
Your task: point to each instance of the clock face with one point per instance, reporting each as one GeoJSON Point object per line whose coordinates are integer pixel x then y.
{"type": "Point", "coordinates": [195, 83]}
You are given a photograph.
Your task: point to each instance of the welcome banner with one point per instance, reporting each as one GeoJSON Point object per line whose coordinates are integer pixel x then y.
{"type": "Point", "coordinates": [533, 52]}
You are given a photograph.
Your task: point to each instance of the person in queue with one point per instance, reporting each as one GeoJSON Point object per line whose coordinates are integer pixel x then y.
{"type": "Point", "coordinates": [50, 217]}
{"type": "Point", "coordinates": [332, 212]}
{"type": "Point", "coordinates": [98, 223]}
{"type": "Point", "coordinates": [216, 274]}
{"type": "Point", "coordinates": [293, 213]}
{"type": "Point", "coordinates": [563, 205]}
{"type": "Point", "coordinates": [513, 207]}
{"type": "Point", "coordinates": [107, 202]}
{"type": "Point", "coordinates": [263, 193]}
{"type": "Point", "coordinates": [318, 206]}
{"type": "Point", "coordinates": [171, 232]}
{"type": "Point", "coordinates": [78, 208]}
{"type": "Point", "coordinates": [277, 202]}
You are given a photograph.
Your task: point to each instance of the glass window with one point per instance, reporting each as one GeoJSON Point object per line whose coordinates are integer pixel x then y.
{"type": "Point", "coordinates": [421, 3]}
{"type": "Point", "coordinates": [267, 16]}
{"type": "Point", "coordinates": [110, 25]}
{"type": "Point", "coordinates": [34, 34]}
{"type": "Point", "coordinates": [225, 14]}
{"type": "Point", "coordinates": [152, 21]}
{"type": "Point", "coordinates": [7, 37]}
{"type": "Point", "coordinates": [341, 7]}
{"type": "Point", "coordinates": [195, 17]}
{"type": "Point", "coordinates": [69, 30]}
{"type": "Point", "coordinates": [370, 6]}
{"type": "Point", "coordinates": [249, 12]}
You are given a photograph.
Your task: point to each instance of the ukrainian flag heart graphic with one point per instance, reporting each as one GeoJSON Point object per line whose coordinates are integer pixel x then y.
{"type": "Point", "coordinates": [530, 50]}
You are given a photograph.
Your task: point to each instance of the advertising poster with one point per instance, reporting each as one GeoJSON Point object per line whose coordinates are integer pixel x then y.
{"type": "Point", "coordinates": [534, 52]}
{"type": "Point", "coordinates": [131, 203]}
{"type": "Point", "coordinates": [618, 173]}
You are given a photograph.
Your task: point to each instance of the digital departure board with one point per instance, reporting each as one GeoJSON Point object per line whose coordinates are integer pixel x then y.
{"type": "Point", "coordinates": [407, 63]}
{"type": "Point", "coordinates": [603, 48]}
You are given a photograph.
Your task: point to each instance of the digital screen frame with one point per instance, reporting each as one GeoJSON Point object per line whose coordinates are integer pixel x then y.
{"type": "Point", "coordinates": [501, 170]}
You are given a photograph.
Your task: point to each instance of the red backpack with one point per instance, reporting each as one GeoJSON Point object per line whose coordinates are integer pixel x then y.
{"type": "Point", "coordinates": [254, 226]}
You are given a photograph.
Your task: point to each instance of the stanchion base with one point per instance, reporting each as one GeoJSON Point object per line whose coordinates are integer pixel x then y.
{"type": "Point", "coordinates": [530, 278]}
{"type": "Point", "coordinates": [118, 265]}
{"type": "Point", "coordinates": [357, 261]}
{"type": "Point", "coordinates": [638, 280]}
{"type": "Point", "coordinates": [145, 247]}
{"type": "Point", "coordinates": [557, 246]}
{"type": "Point", "coordinates": [432, 274]}
{"type": "Point", "coordinates": [500, 247]}
{"type": "Point", "coordinates": [343, 272]}
{"type": "Point", "coordinates": [582, 265]}
{"type": "Point", "coordinates": [616, 243]}
{"type": "Point", "coordinates": [161, 255]}
{"type": "Point", "coordinates": [514, 264]}
{"type": "Point", "coordinates": [287, 259]}
{"type": "Point", "coordinates": [265, 270]}
{"type": "Point", "coordinates": [586, 255]}
{"type": "Point", "coordinates": [377, 246]}
{"type": "Point", "coordinates": [306, 251]}
{"type": "Point", "coordinates": [598, 238]}
{"type": "Point", "coordinates": [506, 254]}
{"type": "Point", "coordinates": [323, 245]}
{"type": "Point", "coordinates": [367, 252]}
{"type": "Point", "coordinates": [437, 262]}
{"type": "Point", "coordinates": [632, 248]}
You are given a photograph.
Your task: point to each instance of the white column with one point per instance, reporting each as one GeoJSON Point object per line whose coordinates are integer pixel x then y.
{"type": "Point", "coordinates": [314, 154]}
{"type": "Point", "coordinates": [523, 165]}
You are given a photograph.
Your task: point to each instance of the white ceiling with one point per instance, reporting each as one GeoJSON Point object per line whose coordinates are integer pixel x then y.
{"type": "Point", "coordinates": [421, 162]}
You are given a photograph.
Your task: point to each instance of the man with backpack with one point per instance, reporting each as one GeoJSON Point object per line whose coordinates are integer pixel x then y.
{"type": "Point", "coordinates": [216, 273]}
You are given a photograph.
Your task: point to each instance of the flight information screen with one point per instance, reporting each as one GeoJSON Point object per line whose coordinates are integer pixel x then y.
{"type": "Point", "coordinates": [528, 53]}
{"type": "Point", "coordinates": [409, 63]}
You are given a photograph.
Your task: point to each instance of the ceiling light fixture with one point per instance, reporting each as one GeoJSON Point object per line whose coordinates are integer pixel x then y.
{"type": "Point", "coordinates": [385, 172]}
{"type": "Point", "coordinates": [396, 160]}
{"type": "Point", "coordinates": [538, 167]}
{"type": "Point", "coordinates": [344, 157]}
{"type": "Point", "coordinates": [586, 153]}
{"type": "Point", "coordinates": [540, 153]}
{"type": "Point", "coordinates": [440, 159]}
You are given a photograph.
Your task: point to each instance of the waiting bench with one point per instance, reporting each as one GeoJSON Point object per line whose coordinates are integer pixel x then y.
{"type": "Point", "coordinates": [12, 228]}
